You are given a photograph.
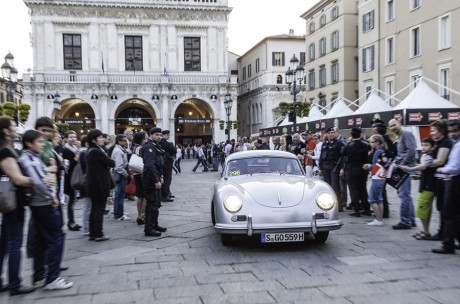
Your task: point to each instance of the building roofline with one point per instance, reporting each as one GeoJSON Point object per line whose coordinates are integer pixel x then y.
{"type": "Point", "coordinates": [275, 37]}
{"type": "Point", "coordinates": [314, 9]}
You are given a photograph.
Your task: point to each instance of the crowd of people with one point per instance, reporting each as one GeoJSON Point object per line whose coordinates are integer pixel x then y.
{"type": "Point", "coordinates": [347, 165]}
{"type": "Point", "coordinates": [43, 173]}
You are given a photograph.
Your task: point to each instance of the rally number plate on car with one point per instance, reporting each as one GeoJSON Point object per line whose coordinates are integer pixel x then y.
{"type": "Point", "coordinates": [282, 237]}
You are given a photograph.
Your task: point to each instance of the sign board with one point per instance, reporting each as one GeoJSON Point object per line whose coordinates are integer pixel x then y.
{"type": "Point", "coordinates": [137, 121]}
{"type": "Point", "coordinates": [194, 120]}
{"type": "Point", "coordinates": [77, 121]}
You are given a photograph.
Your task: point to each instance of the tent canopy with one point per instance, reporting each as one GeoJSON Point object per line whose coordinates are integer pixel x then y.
{"type": "Point", "coordinates": [340, 109]}
{"type": "Point", "coordinates": [423, 97]}
{"type": "Point", "coordinates": [314, 114]}
{"type": "Point", "coordinates": [373, 104]}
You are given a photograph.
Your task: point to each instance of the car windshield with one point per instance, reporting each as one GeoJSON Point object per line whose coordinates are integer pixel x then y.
{"type": "Point", "coordinates": [263, 165]}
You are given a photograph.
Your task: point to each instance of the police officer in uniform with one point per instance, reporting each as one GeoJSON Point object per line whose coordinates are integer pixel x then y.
{"type": "Point", "coordinates": [354, 156]}
{"type": "Point", "coordinates": [170, 156]}
{"type": "Point", "coordinates": [331, 162]}
{"type": "Point", "coordinates": [152, 178]}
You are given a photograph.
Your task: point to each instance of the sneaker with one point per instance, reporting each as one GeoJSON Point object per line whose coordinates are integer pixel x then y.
{"type": "Point", "coordinates": [102, 238]}
{"type": "Point", "coordinates": [375, 223]}
{"type": "Point", "coordinates": [86, 233]}
{"type": "Point", "coordinates": [124, 218]}
{"type": "Point", "coordinates": [57, 284]}
{"type": "Point", "coordinates": [40, 284]}
{"type": "Point", "coordinates": [401, 226]}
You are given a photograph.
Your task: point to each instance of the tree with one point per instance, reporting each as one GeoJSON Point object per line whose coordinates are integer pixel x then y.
{"type": "Point", "coordinates": [24, 111]}
{"type": "Point", "coordinates": [302, 108]}
{"type": "Point", "coordinates": [10, 109]}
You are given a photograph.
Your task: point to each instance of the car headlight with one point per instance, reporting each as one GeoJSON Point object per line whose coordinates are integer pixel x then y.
{"type": "Point", "coordinates": [233, 203]}
{"type": "Point", "coordinates": [325, 201]}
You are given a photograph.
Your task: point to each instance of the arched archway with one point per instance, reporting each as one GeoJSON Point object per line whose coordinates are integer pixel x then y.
{"type": "Point", "coordinates": [134, 114]}
{"type": "Point", "coordinates": [78, 114]}
{"type": "Point", "coordinates": [193, 122]}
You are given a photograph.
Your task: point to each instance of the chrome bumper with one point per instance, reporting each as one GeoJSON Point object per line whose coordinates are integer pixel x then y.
{"type": "Point", "coordinates": [248, 228]}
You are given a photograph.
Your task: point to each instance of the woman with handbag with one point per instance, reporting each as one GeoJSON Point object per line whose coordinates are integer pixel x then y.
{"type": "Point", "coordinates": [98, 183]}
{"type": "Point", "coordinates": [138, 141]}
{"type": "Point", "coordinates": [13, 221]}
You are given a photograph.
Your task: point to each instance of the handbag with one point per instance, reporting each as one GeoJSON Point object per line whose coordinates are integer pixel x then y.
{"type": "Point", "coordinates": [136, 163]}
{"type": "Point", "coordinates": [7, 194]}
{"type": "Point", "coordinates": [78, 178]}
{"type": "Point", "coordinates": [396, 177]}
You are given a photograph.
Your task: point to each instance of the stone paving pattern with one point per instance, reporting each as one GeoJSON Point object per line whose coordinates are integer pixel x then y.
{"type": "Point", "coordinates": [358, 264]}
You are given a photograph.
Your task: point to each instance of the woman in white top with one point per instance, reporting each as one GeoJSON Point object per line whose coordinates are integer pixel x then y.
{"type": "Point", "coordinates": [176, 164]}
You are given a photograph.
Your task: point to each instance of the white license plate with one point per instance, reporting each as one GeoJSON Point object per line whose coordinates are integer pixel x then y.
{"type": "Point", "coordinates": [282, 237]}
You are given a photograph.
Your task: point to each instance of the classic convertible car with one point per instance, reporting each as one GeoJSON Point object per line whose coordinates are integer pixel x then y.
{"type": "Point", "coordinates": [266, 193]}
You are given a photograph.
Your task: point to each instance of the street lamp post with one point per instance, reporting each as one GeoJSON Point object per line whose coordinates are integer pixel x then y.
{"type": "Point", "coordinates": [10, 73]}
{"type": "Point", "coordinates": [294, 75]}
{"type": "Point", "coordinates": [57, 106]}
{"type": "Point", "coordinates": [228, 109]}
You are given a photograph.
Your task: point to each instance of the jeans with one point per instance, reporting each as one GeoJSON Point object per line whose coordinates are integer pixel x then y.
{"type": "Point", "coordinates": [10, 244]}
{"type": "Point", "coordinates": [376, 191]}
{"type": "Point", "coordinates": [50, 242]}
{"type": "Point", "coordinates": [71, 206]}
{"type": "Point", "coordinates": [406, 212]}
{"type": "Point", "coordinates": [176, 165]}
{"type": "Point", "coordinates": [86, 213]}
{"type": "Point", "coordinates": [202, 161]}
{"type": "Point", "coordinates": [96, 217]}
{"type": "Point", "coordinates": [119, 198]}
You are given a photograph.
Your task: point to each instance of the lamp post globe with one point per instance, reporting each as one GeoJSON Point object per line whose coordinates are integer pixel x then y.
{"type": "Point", "coordinates": [228, 103]}
{"type": "Point", "coordinates": [56, 106]}
{"type": "Point", "coordinates": [294, 78]}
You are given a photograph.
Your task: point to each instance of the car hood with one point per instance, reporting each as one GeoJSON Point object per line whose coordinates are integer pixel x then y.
{"type": "Point", "coordinates": [274, 191]}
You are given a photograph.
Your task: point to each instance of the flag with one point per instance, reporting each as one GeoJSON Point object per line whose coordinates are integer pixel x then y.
{"type": "Point", "coordinates": [102, 54]}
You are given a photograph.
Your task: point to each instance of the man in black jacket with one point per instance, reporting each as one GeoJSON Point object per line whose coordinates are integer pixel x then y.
{"type": "Point", "coordinates": [152, 178]}
{"type": "Point", "coordinates": [354, 156]}
{"type": "Point", "coordinates": [331, 162]}
{"type": "Point", "coordinates": [170, 156]}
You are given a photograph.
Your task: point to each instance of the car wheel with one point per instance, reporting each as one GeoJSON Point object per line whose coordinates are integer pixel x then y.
{"type": "Point", "coordinates": [226, 239]}
{"type": "Point", "coordinates": [321, 236]}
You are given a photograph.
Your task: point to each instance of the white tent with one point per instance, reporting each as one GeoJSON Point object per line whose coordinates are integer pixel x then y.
{"type": "Point", "coordinates": [314, 114]}
{"type": "Point", "coordinates": [340, 109]}
{"type": "Point", "coordinates": [423, 97]}
{"type": "Point", "coordinates": [373, 104]}
{"type": "Point", "coordinates": [286, 121]}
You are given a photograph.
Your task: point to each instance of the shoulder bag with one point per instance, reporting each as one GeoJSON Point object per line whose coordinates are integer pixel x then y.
{"type": "Point", "coordinates": [136, 163]}
{"type": "Point", "coordinates": [7, 194]}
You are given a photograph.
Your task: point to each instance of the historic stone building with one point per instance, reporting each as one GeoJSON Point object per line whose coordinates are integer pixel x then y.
{"type": "Point", "coordinates": [132, 64]}
{"type": "Point", "coordinates": [262, 80]}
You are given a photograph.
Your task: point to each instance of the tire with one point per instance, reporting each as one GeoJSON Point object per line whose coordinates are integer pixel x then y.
{"type": "Point", "coordinates": [226, 239]}
{"type": "Point", "coordinates": [321, 237]}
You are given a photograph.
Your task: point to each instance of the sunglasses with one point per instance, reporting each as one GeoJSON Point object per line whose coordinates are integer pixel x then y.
{"type": "Point", "coordinates": [47, 130]}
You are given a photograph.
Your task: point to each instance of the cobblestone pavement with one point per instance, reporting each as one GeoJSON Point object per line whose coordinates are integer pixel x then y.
{"type": "Point", "coordinates": [358, 264]}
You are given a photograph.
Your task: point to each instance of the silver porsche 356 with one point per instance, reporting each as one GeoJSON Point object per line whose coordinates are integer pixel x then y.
{"type": "Point", "coordinates": [266, 193]}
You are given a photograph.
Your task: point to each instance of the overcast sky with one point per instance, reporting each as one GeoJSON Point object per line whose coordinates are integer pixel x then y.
{"type": "Point", "coordinates": [250, 22]}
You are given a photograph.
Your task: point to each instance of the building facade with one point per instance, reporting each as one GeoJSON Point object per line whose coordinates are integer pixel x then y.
{"type": "Point", "coordinates": [262, 80]}
{"type": "Point", "coordinates": [400, 41]}
{"type": "Point", "coordinates": [332, 52]}
{"type": "Point", "coordinates": [132, 64]}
